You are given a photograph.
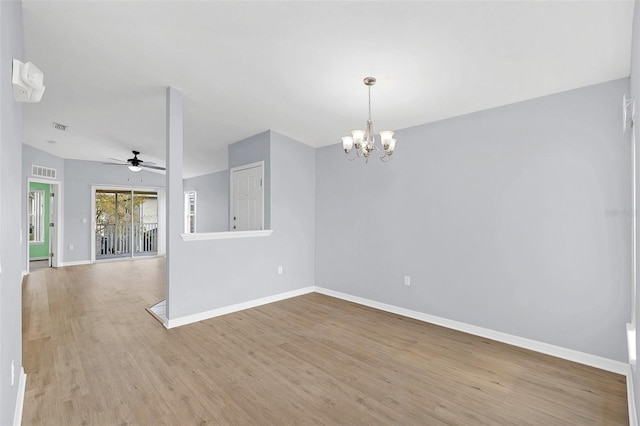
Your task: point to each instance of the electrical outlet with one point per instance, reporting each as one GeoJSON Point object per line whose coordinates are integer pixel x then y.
{"type": "Point", "coordinates": [407, 280]}
{"type": "Point", "coordinates": [71, 247]}
{"type": "Point", "coordinates": [280, 270]}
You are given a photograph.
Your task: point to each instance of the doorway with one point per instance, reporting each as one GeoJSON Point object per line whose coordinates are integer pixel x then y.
{"type": "Point", "coordinates": [247, 197]}
{"type": "Point", "coordinates": [42, 227]}
{"type": "Point", "coordinates": [126, 223]}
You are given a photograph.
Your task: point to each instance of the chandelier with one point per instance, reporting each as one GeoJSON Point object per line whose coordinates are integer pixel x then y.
{"type": "Point", "coordinates": [364, 141]}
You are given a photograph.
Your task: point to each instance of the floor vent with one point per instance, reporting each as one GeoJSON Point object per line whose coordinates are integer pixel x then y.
{"type": "Point", "coordinates": [44, 172]}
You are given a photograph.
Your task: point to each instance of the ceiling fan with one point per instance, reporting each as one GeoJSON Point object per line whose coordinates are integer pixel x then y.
{"type": "Point", "coordinates": [135, 164]}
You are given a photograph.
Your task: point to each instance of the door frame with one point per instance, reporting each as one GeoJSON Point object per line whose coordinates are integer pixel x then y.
{"type": "Point", "coordinates": [162, 248]}
{"type": "Point", "coordinates": [231, 195]}
{"type": "Point", "coordinates": [54, 206]}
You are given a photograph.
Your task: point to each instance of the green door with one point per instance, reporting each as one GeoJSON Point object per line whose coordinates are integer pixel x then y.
{"type": "Point", "coordinates": [39, 200]}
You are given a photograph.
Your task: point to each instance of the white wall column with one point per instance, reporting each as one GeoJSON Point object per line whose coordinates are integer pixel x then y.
{"type": "Point", "coordinates": [174, 198]}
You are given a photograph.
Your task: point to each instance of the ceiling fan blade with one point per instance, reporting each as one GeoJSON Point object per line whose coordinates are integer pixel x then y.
{"type": "Point", "coordinates": [115, 164]}
{"type": "Point", "coordinates": [152, 167]}
{"type": "Point", "coordinates": [117, 159]}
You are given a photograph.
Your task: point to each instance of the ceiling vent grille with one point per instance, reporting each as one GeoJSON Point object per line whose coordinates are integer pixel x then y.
{"type": "Point", "coordinates": [41, 171]}
{"type": "Point", "coordinates": [59, 126]}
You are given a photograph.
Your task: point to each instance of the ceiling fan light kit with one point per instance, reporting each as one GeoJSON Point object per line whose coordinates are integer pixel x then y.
{"type": "Point", "coordinates": [135, 164]}
{"type": "Point", "coordinates": [364, 141]}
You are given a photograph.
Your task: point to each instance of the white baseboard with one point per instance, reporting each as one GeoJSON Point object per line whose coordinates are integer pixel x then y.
{"type": "Point", "coordinates": [22, 385]}
{"type": "Point", "coordinates": [189, 319]}
{"type": "Point", "coordinates": [76, 263]}
{"type": "Point", "coordinates": [631, 400]}
{"type": "Point", "coordinates": [545, 348]}
{"type": "Point", "coordinates": [613, 366]}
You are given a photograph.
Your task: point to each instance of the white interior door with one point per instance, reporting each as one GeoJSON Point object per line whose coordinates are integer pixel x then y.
{"type": "Point", "coordinates": [247, 198]}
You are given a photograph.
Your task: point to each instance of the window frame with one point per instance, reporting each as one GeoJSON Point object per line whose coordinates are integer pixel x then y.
{"type": "Point", "coordinates": [190, 215]}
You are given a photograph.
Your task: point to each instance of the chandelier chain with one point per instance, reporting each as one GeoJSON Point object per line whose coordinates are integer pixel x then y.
{"type": "Point", "coordinates": [369, 103]}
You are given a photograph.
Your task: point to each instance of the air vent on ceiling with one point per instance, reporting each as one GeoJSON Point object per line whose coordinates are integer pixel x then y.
{"type": "Point", "coordinates": [41, 171]}
{"type": "Point", "coordinates": [59, 126]}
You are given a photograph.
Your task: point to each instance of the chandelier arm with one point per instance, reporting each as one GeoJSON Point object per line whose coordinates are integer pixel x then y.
{"type": "Point", "coordinates": [383, 156]}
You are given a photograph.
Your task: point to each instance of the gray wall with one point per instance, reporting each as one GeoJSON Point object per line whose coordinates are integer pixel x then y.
{"type": "Point", "coordinates": [251, 150]}
{"type": "Point", "coordinates": [293, 200]}
{"type": "Point", "coordinates": [205, 275]}
{"type": "Point", "coordinates": [212, 202]}
{"type": "Point", "coordinates": [12, 249]}
{"type": "Point", "coordinates": [635, 92]}
{"type": "Point", "coordinates": [499, 217]}
{"type": "Point", "coordinates": [79, 176]}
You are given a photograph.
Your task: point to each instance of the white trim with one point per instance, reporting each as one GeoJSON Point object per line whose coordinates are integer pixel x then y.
{"type": "Point", "coordinates": [225, 235]}
{"type": "Point", "coordinates": [631, 343]}
{"type": "Point", "coordinates": [189, 319]}
{"type": "Point", "coordinates": [22, 385]}
{"type": "Point", "coordinates": [545, 348]}
{"type": "Point", "coordinates": [634, 243]}
{"type": "Point", "coordinates": [58, 258]}
{"type": "Point", "coordinates": [24, 273]}
{"type": "Point", "coordinates": [631, 401]}
{"type": "Point", "coordinates": [247, 166]}
{"type": "Point", "coordinates": [92, 229]}
{"type": "Point", "coordinates": [126, 258]}
{"type": "Point", "coordinates": [162, 222]}
{"type": "Point", "coordinates": [77, 263]}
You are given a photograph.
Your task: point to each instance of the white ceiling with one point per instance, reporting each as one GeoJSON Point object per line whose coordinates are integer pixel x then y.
{"type": "Point", "coordinates": [297, 67]}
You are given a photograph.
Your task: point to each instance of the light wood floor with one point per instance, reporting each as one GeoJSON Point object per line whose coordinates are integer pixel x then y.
{"type": "Point", "coordinates": [93, 355]}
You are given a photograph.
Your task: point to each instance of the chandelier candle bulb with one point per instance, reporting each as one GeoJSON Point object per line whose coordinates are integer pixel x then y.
{"type": "Point", "coordinates": [347, 143]}
{"type": "Point", "coordinates": [385, 138]}
{"type": "Point", "coordinates": [358, 138]}
{"type": "Point", "coordinates": [391, 147]}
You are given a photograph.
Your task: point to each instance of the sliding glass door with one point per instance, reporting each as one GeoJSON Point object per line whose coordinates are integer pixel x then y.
{"type": "Point", "coordinates": [126, 223]}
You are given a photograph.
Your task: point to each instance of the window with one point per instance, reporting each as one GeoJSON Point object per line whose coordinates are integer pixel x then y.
{"type": "Point", "coordinates": [36, 216]}
{"type": "Point", "coordinates": [190, 212]}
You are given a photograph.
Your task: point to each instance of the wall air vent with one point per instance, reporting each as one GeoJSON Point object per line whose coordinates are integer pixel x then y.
{"type": "Point", "coordinates": [59, 126]}
{"type": "Point", "coordinates": [45, 172]}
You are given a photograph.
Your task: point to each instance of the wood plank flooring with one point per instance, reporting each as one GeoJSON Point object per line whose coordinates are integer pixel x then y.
{"type": "Point", "coordinates": [94, 356]}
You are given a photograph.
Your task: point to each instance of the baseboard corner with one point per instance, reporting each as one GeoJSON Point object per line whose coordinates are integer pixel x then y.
{"type": "Point", "coordinates": [22, 386]}
{"type": "Point", "coordinates": [201, 316]}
